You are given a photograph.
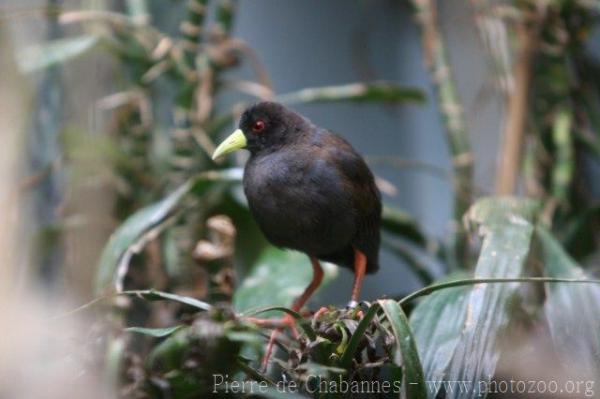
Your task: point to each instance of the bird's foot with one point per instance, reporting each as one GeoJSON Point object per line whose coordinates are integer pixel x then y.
{"type": "Point", "coordinates": [287, 321]}
{"type": "Point", "coordinates": [352, 304]}
{"type": "Point", "coordinates": [267, 323]}
{"type": "Point", "coordinates": [280, 323]}
{"type": "Point", "coordinates": [354, 309]}
{"type": "Point", "coordinates": [320, 312]}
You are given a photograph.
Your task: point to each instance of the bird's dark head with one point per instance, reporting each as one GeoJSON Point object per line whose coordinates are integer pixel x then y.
{"type": "Point", "coordinates": [263, 127]}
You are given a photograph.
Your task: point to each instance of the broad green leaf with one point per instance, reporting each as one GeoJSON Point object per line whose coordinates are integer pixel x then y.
{"type": "Point", "coordinates": [572, 311]}
{"type": "Point", "coordinates": [413, 384]}
{"type": "Point", "coordinates": [169, 352]}
{"type": "Point", "coordinates": [147, 223]}
{"type": "Point", "coordinates": [507, 229]}
{"type": "Point", "coordinates": [153, 295]}
{"type": "Point", "coordinates": [496, 214]}
{"type": "Point", "coordinates": [277, 278]}
{"type": "Point", "coordinates": [437, 322]}
{"type": "Point", "coordinates": [128, 239]}
{"type": "Point", "coordinates": [36, 57]}
{"type": "Point", "coordinates": [387, 92]}
{"type": "Point", "coordinates": [154, 332]}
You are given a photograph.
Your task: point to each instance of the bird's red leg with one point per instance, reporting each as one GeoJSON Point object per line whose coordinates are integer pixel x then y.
{"type": "Point", "coordinates": [296, 306]}
{"type": "Point", "coordinates": [360, 267]}
{"type": "Point", "coordinates": [312, 287]}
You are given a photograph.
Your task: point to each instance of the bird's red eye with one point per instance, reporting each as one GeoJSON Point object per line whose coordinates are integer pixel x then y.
{"type": "Point", "coordinates": [258, 126]}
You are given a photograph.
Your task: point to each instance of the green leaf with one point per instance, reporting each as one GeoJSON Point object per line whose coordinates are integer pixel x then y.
{"type": "Point", "coordinates": [113, 362]}
{"type": "Point", "coordinates": [501, 214]}
{"type": "Point", "coordinates": [437, 322]}
{"type": "Point", "coordinates": [418, 259]}
{"type": "Point", "coordinates": [407, 356]}
{"type": "Point", "coordinates": [132, 235]}
{"type": "Point", "coordinates": [170, 351]}
{"type": "Point", "coordinates": [278, 393]}
{"type": "Point", "coordinates": [277, 278]}
{"type": "Point", "coordinates": [507, 229]}
{"type": "Point", "coordinates": [153, 295]}
{"type": "Point", "coordinates": [242, 363]}
{"type": "Point", "coordinates": [355, 92]}
{"type": "Point", "coordinates": [413, 384]}
{"type": "Point", "coordinates": [572, 311]}
{"type": "Point", "coordinates": [147, 223]}
{"type": "Point", "coordinates": [154, 332]}
{"type": "Point", "coordinates": [400, 223]}
{"type": "Point", "coordinates": [207, 338]}
{"type": "Point", "coordinates": [37, 57]}
{"type": "Point", "coordinates": [352, 347]}
{"type": "Point", "coordinates": [564, 165]}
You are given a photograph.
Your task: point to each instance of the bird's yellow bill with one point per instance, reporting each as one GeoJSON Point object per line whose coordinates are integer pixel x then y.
{"type": "Point", "coordinates": [234, 142]}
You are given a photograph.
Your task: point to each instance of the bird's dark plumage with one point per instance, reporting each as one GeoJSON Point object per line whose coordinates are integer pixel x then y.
{"type": "Point", "coordinates": [308, 189]}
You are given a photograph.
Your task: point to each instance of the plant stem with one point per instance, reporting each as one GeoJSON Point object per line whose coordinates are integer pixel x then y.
{"type": "Point", "coordinates": [457, 135]}
{"type": "Point", "coordinates": [510, 153]}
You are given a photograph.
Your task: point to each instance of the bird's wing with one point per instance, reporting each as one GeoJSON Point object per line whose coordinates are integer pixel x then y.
{"type": "Point", "coordinates": [354, 171]}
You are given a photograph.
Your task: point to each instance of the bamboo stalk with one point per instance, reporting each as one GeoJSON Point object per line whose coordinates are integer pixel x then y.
{"type": "Point", "coordinates": [192, 27]}
{"type": "Point", "coordinates": [450, 105]}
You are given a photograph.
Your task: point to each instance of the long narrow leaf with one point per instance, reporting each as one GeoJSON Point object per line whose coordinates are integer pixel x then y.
{"type": "Point", "coordinates": [154, 332]}
{"type": "Point", "coordinates": [153, 295]}
{"type": "Point", "coordinates": [356, 92]}
{"type": "Point", "coordinates": [352, 347]}
{"type": "Point", "coordinates": [37, 57]}
{"type": "Point", "coordinates": [413, 384]}
{"type": "Point", "coordinates": [400, 223]}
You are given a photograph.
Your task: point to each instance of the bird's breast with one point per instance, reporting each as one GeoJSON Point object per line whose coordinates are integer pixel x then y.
{"type": "Point", "coordinates": [299, 203]}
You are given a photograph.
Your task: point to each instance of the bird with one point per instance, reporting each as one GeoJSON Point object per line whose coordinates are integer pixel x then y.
{"type": "Point", "coordinates": [308, 190]}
